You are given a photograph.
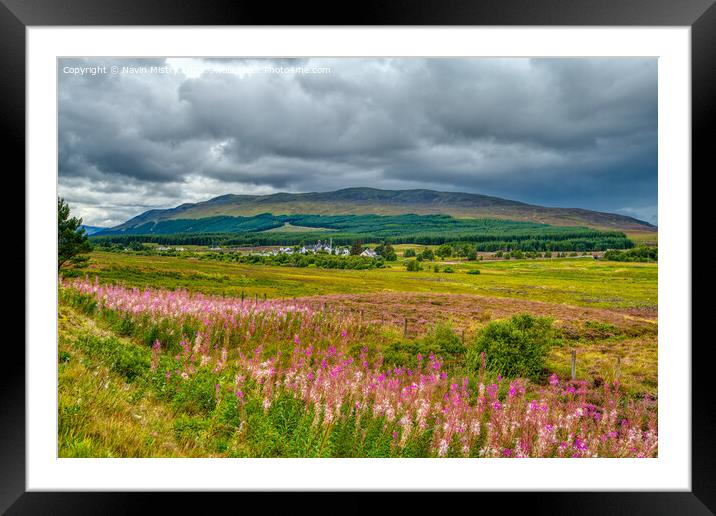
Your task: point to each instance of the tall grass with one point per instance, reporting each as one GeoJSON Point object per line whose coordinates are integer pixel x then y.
{"type": "Point", "coordinates": [281, 379]}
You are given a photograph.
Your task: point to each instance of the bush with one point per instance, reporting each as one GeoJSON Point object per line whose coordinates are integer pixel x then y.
{"type": "Point", "coordinates": [444, 251]}
{"type": "Point", "coordinates": [440, 340]}
{"type": "Point", "coordinates": [637, 254]}
{"type": "Point", "coordinates": [414, 266]}
{"type": "Point", "coordinates": [449, 270]}
{"type": "Point", "coordinates": [474, 271]}
{"type": "Point", "coordinates": [442, 337]}
{"type": "Point", "coordinates": [427, 254]}
{"type": "Point", "coordinates": [409, 253]}
{"type": "Point", "coordinates": [514, 348]}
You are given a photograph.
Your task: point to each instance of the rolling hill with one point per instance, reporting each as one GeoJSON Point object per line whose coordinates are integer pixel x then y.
{"type": "Point", "coordinates": [362, 201]}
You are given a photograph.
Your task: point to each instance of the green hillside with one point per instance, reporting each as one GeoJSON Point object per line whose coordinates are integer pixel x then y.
{"type": "Point", "coordinates": [267, 229]}
{"type": "Point", "coordinates": [364, 201]}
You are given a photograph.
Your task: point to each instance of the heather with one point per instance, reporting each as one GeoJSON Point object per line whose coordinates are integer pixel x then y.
{"type": "Point", "coordinates": [248, 377]}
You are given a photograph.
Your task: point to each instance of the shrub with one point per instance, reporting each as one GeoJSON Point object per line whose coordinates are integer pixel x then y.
{"type": "Point", "coordinates": [444, 338]}
{"type": "Point", "coordinates": [441, 340]}
{"type": "Point", "coordinates": [444, 251]}
{"type": "Point", "coordinates": [428, 254]}
{"type": "Point", "coordinates": [637, 254]}
{"type": "Point", "coordinates": [387, 252]}
{"type": "Point", "coordinates": [409, 253]}
{"type": "Point", "coordinates": [514, 348]}
{"type": "Point", "coordinates": [449, 270]}
{"type": "Point", "coordinates": [474, 271]}
{"type": "Point", "coordinates": [414, 266]}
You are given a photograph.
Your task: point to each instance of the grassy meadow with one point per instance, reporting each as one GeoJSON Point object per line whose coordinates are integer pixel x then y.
{"type": "Point", "coordinates": [210, 358]}
{"type": "Point", "coordinates": [572, 281]}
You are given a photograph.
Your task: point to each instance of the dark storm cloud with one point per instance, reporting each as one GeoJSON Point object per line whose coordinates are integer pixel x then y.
{"type": "Point", "coordinates": [559, 132]}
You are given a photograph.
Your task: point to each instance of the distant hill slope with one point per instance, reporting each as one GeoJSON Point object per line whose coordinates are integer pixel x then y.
{"type": "Point", "coordinates": [361, 201]}
{"type": "Point", "coordinates": [91, 230]}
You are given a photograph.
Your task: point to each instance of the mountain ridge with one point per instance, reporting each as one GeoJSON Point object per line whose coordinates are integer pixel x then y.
{"type": "Point", "coordinates": [365, 200]}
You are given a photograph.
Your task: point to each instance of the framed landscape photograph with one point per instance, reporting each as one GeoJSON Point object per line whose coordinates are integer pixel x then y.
{"type": "Point", "coordinates": [363, 259]}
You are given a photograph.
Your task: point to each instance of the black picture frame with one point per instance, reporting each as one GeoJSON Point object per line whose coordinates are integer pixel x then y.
{"type": "Point", "coordinates": [700, 15]}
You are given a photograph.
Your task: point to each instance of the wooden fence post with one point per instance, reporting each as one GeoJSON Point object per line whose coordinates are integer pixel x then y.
{"type": "Point", "coordinates": [405, 328]}
{"type": "Point", "coordinates": [574, 364]}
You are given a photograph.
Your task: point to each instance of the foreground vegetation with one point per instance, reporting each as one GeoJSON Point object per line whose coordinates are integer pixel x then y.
{"type": "Point", "coordinates": [217, 376]}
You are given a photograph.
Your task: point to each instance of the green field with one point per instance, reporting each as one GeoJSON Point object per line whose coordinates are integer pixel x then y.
{"type": "Point", "coordinates": [572, 281]}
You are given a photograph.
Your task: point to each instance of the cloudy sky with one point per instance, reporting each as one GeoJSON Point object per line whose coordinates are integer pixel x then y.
{"type": "Point", "coordinates": [138, 134]}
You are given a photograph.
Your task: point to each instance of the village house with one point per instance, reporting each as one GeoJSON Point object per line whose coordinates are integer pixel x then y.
{"type": "Point", "coordinates": [320, 247]}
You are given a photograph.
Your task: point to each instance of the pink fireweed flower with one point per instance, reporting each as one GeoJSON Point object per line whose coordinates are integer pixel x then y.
{"type": "Point", "coordinates": [443, 448]}
{"type": "Point", "coordinates": [516, 388]}
{"type": "Point", "coordinates": [506, 452]}
{"type": "Point", "coordinates": [492, 390]}
{"type": "Point", "coordinates": [296, 339]}
{"type": "Point", "coordinates": [580, 444]}
{"type": "Point", "coordinates": [156, 348]}
{"type": "Point", "coordinates": [553, 379]}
